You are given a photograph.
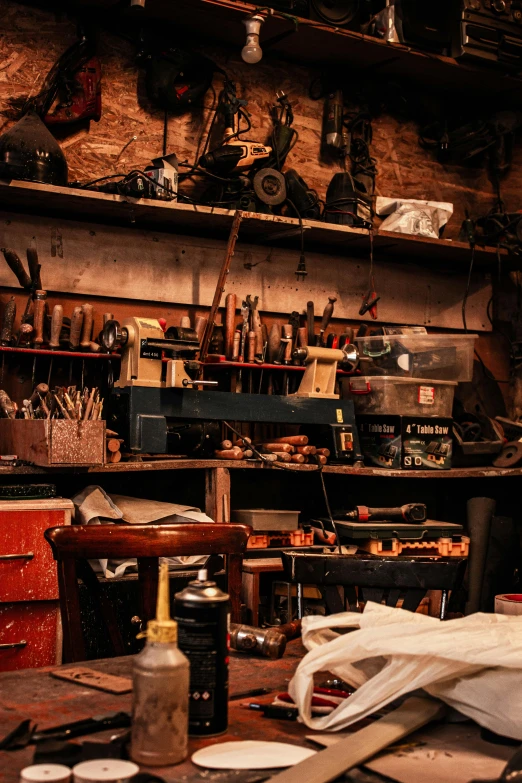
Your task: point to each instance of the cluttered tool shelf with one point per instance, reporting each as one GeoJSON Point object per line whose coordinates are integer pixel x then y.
{"type": "Point", "coordinates": [173, 463]}
{"type": "Point", "coordinates": [315, 41]}
{"type": "Point", "coordinates": [215, 222]}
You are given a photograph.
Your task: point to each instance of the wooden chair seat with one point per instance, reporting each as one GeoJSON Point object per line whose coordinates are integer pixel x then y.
{"type": "Point", "coordinates": [74, 545]}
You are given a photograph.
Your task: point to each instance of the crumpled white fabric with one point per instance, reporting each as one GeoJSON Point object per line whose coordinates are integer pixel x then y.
{"type": "Point", "coordinates": [474, 664]}
{"type": "Point", "coordinates": [94, 506]}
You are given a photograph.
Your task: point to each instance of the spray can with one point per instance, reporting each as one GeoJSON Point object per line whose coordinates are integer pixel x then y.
{"type": "Point", "coordinates": [202, 612]}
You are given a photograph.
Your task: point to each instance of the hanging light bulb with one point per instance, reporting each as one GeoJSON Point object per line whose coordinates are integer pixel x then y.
{"type": "Point", "coordinates": [252, 52]}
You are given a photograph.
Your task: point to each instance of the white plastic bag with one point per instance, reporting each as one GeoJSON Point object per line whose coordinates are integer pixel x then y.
{"type": "Point", "coordinates": [474, 664]}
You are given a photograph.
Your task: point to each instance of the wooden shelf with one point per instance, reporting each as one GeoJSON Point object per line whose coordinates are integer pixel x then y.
{"type": "Point", "coordinates": [315, 42]}
{"type": "Point", "coordinates": [215, 222]}
{"type": "Point", "coordinates": [200, 464]}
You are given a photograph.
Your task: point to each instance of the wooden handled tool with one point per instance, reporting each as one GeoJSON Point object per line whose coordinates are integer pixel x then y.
{"type": "Point", "coordinates": [294, 440]}
{"type": "Point", "coordinates": [230, 324]}
{"type": "Point", "coordinates": [38, 317]}
{"type": "Point", "coordinates": [6, 336]}
{"type": "Point", "coordinates": [226, 445]}
{"type": "Point", "coordinates": [302, 337]}
{"type": "Point", "coordinates": [185, 322]}
{"type": "Point", "coordinates": [310, 325]}
{"type": "Point", "coordinates": [6, 406]}
{"type": "Point", "coordinates": [279, 447]}
{"type": "Point", "coordinates": [14, 263]}
{"type": "Point", "coordinates": [88, 317]}
{"type": "Point", "coordinates": [298, 458]}
{"type": "Point", "coordinates": [274, 341]}
{"type": "Point", "coordinates": [361, 745]}
{"type": "Point", "coordinates": [229, 454]}
{"type": "Point", "coordinates": [282, 456]}
{"type": "Point", "coordinates": [288, 335]}
{"type": "Point", "coordinates": [258, 330]}
{"type": "Point", "coordinates": [108, 317]}
{"type": "Point", "coordinates": [34, 266]}
{"type": "Point", "coordinates": [39, 391]}
{"type": "Point", "coordinates": [200, 326]}
{"type": "Point", "coordinates": [323, 452]}
{"type": "Point", "coordinates": [306, 450]}
{"type": "Point", "coordinates": [237, 346]}
{"type": "Point", "coordinates": [327, 316]}
{"type": "Point", "coordinates": [76, 328]}
{"type": "Point", "coordinates": [251, 347]}
{"type": "Point", "coordinates": [56, 327]}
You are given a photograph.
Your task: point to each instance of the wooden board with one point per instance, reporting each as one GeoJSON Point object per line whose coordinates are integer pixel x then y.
{"type": "Point", "coordinates": [89, 678]}
{"type": "Point", "coordinates": [124, 263]}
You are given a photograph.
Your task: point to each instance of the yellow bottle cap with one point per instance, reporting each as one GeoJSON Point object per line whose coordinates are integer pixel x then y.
{"type": "Point", "coordinates": [162, 629]}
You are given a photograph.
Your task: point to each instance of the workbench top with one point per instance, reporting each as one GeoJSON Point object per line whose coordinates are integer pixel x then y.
{"type": "Point", "coordinates": [33, 693]}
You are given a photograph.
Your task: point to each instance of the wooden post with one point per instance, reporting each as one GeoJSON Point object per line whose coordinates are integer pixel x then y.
{"type": "Point", "coordinates": [217, 494]}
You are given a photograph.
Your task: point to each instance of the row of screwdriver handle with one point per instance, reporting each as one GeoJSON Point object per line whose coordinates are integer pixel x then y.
{"type": "Point", "coordinates": [80, 335]}
{"type": "Point", "coordinates": [250, 345]}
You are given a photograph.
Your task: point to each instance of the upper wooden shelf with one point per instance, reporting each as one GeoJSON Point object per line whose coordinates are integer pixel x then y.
{"type": "Point", "coordinates": [204, 464]}
{"type": "Point", "coordinates": [318, 43]}
{"type": "Point", "coordinates": [215, 222]}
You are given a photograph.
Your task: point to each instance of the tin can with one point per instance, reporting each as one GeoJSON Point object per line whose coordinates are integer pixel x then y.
{"type": "Point", "coordinates": [202, 612]}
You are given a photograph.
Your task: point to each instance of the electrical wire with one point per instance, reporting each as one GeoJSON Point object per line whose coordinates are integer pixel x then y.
{"type": "Point", "coordinates": [468, 284]}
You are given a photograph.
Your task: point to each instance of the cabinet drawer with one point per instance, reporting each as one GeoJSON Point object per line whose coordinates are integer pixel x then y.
{"type": "Point", "coordinates": [27, 567]}
{"type": "Point", "coordinates": [38, 625]}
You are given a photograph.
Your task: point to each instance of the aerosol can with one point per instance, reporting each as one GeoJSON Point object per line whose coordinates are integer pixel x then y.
{"type": "Point", "coordinates": [202, 612]}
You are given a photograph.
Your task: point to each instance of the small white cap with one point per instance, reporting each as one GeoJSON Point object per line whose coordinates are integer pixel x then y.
{"type": "Point", "coordinates": [45, 773]}
{"type": "Point", "coordinates": [202, 575]}
{"type": "Point", "coordinates": [104, 771]}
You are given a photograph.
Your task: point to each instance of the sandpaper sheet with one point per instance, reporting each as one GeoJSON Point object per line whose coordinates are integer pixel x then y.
{"type": "Point", "coordinates": [439, 753]}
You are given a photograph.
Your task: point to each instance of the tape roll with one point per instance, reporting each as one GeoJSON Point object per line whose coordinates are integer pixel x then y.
{"type": "Point", "coordinates": [104, 771]}
{"type": "Point", "coordinates": [508, 603]}
{"type": "Point", "coordinates": [45, 773]}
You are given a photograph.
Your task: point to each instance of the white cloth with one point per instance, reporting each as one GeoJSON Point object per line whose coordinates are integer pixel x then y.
{"type": "Point", "coordinates": [474, 664]}
{"type": "Point", "coordinates": [94, 506]}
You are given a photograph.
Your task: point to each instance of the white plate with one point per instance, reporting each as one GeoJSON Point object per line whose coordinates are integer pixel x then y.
{"type": "Point", "coordinates": [251, 754]}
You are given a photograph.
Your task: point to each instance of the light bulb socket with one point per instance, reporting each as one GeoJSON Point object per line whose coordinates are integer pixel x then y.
{"type": "Point", "coordinates": [253, 24]}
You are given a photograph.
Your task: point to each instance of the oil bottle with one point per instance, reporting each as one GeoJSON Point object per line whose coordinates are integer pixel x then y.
{"type": "Point", "coordinates": [160, 690]}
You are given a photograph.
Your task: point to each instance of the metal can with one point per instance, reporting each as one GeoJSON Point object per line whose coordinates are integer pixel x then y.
{"type": "Point", "coordinates": [202, 612]}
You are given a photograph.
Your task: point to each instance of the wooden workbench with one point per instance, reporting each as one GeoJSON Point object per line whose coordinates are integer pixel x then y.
{"type": "Point", "coordinates": [33, 693]}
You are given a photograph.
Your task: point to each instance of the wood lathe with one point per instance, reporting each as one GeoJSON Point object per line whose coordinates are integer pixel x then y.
{"type": "Point", "coordinates": [158, 407]}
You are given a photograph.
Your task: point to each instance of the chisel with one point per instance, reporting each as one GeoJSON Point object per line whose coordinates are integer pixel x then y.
{"type": "Point", "coordinates": [310, 325]}
{"type": "Point", "coordinates": [327, 315]}
{"type": "Point", "coordinates": [16, 266]}
{"type": "Point", "coordinates": [230, 324]}
{"type": "Point", "coordinates": [76, 328]}
{"type": "Point", "coordinates": [6, 335]}
{"type": "Point", "coordinates": [86, 333]}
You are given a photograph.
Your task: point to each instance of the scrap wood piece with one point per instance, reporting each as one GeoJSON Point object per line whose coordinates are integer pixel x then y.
{"type": "Point", "coordinates": [82, 675]}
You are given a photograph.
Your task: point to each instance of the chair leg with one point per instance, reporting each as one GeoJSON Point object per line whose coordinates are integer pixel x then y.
{"type": "Point", "coordinates": [73, 644]}
{"type": "Point", "coordinates": [413, 598]}
{"type": "Point", "coordinates": [148, 576]}
{"type": "Point", "coordinates": [106, 608]}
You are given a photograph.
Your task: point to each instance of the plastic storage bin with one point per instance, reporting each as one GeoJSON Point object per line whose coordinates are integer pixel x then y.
{"type": "Point", "coordinates": [266, 519]}
{"type": "Point", "coordinates": [386, 394]}
{"type": "Point", "coordinates": [444, 357]}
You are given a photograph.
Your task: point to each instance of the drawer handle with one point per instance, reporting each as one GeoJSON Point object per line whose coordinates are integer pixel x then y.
{"type": "Point", "coordinates": [10, 646]}
{"type": "Point", "coordinates": [21, 556]}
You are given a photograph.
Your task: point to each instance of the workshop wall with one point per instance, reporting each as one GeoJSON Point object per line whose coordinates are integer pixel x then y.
{"type": "Point", "coordinates": [32, 39]}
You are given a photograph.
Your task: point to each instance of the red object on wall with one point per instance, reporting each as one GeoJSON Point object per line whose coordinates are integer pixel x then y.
{"type": "Point", "coordinates": [30, 628]}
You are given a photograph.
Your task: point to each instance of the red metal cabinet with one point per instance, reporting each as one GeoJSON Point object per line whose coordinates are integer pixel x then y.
{"type": "Point", "coordinates": [30, 630]}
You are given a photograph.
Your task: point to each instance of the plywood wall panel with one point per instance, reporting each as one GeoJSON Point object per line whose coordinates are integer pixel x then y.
{"type": "Point", "coordinates": [32, 39]}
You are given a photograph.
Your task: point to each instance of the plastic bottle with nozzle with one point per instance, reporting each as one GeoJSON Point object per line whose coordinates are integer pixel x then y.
{"type": "Point", "coordinates": [160, 690]}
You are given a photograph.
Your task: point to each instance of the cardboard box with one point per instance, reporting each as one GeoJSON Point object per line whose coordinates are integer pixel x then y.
{"type": "Point", "coordinates": [409, 442]}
